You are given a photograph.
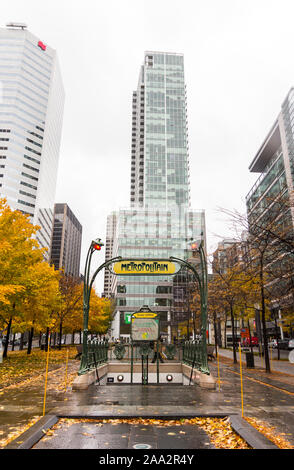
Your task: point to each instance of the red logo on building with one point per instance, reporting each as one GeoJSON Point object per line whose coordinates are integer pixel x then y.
{"type": "Point", "coordinates": [42, 46]}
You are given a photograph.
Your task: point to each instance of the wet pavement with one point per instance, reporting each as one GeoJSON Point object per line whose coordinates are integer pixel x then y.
{"type": "Point", "coordinates": [91, 435]}
{"type": "Point", "coordinates": [267, 397]}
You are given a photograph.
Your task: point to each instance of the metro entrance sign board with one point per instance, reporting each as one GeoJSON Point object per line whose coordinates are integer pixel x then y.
{"type": "Point", "coordinates": [145, 326]}
{"type": "Point", "coordinates": [145, 267]}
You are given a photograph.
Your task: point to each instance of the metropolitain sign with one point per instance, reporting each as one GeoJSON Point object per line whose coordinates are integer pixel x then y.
{"type": "Point", "coordinates": [145, 267]}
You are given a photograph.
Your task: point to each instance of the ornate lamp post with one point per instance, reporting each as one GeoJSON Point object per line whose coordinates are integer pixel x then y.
{"type": "Point", "coordinates": [94, 246]}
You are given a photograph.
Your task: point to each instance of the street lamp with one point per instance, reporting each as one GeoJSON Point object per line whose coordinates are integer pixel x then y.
{"type": "Point", "coordinates": [95, 245]}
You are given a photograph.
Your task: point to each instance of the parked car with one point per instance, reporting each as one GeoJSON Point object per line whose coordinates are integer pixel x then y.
{"type": "Point", "coordinates": [291, 343]}
{"type": "Point", "coordinates": [283, 343]}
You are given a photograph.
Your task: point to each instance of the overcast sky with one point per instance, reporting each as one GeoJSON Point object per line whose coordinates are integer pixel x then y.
{"type": "Point", "coordinates": [239, 66]}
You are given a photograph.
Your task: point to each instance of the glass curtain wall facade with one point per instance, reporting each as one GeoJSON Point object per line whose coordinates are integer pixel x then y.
{"type": "Point", "coordinates": [160, 166]}
{"type": "Point", "coordinates": [272, 192]}
{"type": "Point", "coordinates": [275, 163]}
{"type": "Point", "coordinates": [160, 222]}
{"type": "Point", "coordinates": [31, 113]}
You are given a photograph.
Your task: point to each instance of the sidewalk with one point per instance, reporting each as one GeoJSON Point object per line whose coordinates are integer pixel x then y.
{"type": "Point", "coordinates": [284, 367]}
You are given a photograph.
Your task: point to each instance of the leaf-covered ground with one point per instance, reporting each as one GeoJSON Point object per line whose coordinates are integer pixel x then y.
{"type": "Point", "coordinates": [22, 371]}
{"type": "Point", "coordinates": [270, 432]}
{"type": "Point", "coordinates": [20, 366]}
{"type": "Point", "coordinates": [219, 430]}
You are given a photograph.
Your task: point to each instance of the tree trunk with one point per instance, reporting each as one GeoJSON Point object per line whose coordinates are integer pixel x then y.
{"type": "Point", "coordinates": [7, 338]}
{"type": "Point", "coordinates": [277, 337]}
{"type": "Point", "coordinates": [215, 333]}
{"type": "Point", "coordinates": [219, 334]}
{"type": "Point", "coordinates": [265, 344]}
{"type": "Point", "coordinates": [233, 335]}
{"type": "Point", "coordinates": [81, 335]}
{"type": "Point", "coordinates": [73, 338]}
{"type": "Point", "coordinates": [251, 348]}
{"type": "Point", "coordinates": [21, 342]}
{"type": "Point", "coordinates": [30, 341]}
{"type": "Point", "coordinates": [225, 338]}
{"type": "Point", "coordinates": [13, 340]}
{"type": "Point", "coordinates": [47, 339]}
{"type": "Point", "coordinates": [60, 335]}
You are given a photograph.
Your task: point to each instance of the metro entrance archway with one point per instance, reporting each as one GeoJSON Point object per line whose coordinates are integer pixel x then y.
{"type": "Point", "coordinates": [193, 353]}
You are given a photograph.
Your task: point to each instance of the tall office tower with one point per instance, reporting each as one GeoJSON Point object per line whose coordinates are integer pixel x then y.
{"type": "Point", "coordinates": [274, 162]}
{"type": "Point", "coordinates": [31, 113]}
{"type": "Point", "coordinates": [160, 222]}
{"type": "Point", "coordinates": [66, 241]}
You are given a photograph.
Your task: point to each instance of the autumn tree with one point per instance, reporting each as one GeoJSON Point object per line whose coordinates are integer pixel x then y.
{"type": "Point", "coordinates": [19, 252]}
{"type": "Point", "coordinates": [234, 288]}
{"type": "Point", "coordinates": [40, 298]}
{"type": "Point", "coordinates": [270, 253]}
{"type": "Point", "coordinates": [216, 308]}
{"type": "Point", "coordinates": [100, 313]}
{"type": "Point", "coordinates": [69, 312]}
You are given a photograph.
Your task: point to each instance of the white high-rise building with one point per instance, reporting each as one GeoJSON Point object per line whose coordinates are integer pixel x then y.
{"type": "Point", "coordinates": [31, 113]}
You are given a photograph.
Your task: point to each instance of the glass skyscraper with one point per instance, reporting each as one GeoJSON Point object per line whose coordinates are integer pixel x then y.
{"type": "Point", "coordinates": [31, 114]}
{"type": "Point", "coordinates": [160, 222]}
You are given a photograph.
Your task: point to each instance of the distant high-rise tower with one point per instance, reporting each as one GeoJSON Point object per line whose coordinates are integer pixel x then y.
{"type": "Point", "coordinates": [160, 166]}
{"type": "Point", "coordinates": [31, 113]}
{"type": "Point", "coordinates": [66, 241]}
{"type": "Point", "coordinates": [160, 222]}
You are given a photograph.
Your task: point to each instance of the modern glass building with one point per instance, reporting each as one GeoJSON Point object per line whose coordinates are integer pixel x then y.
{"type": "Point", "coordinates": [275, 163]}
{"type": "Point", "coordinates": [270, 200]}
{"type": "Point", "coordinates": [31, 113]}
{"type": "Point", "coordinates": [160, 222]}
{"type": "Point", "coordinates": [160, 166]}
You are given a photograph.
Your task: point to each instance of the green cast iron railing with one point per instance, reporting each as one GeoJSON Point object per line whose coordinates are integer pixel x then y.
{"type": "Point", "coordinates": [193, 354]}
{"type": "Point", "coordinates": [97, 354]}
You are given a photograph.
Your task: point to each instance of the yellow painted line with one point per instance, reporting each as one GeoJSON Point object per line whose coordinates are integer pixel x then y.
{"type": "Point", "coordinates": [263, 383]}
{"type": "Point", "coordinates": [219, 382]}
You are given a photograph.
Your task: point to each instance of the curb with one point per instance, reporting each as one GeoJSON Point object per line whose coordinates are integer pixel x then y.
{"type": "Point", "coordinates": [30, 437]}
{"type": "Point", "coordinates": [252, 436]}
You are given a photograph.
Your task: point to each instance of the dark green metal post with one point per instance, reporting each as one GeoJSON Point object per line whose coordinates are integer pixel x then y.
{"type": "Point", "coordinates": [132, 361]}
{"type": "Point", "coordinates": [84, 360]}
